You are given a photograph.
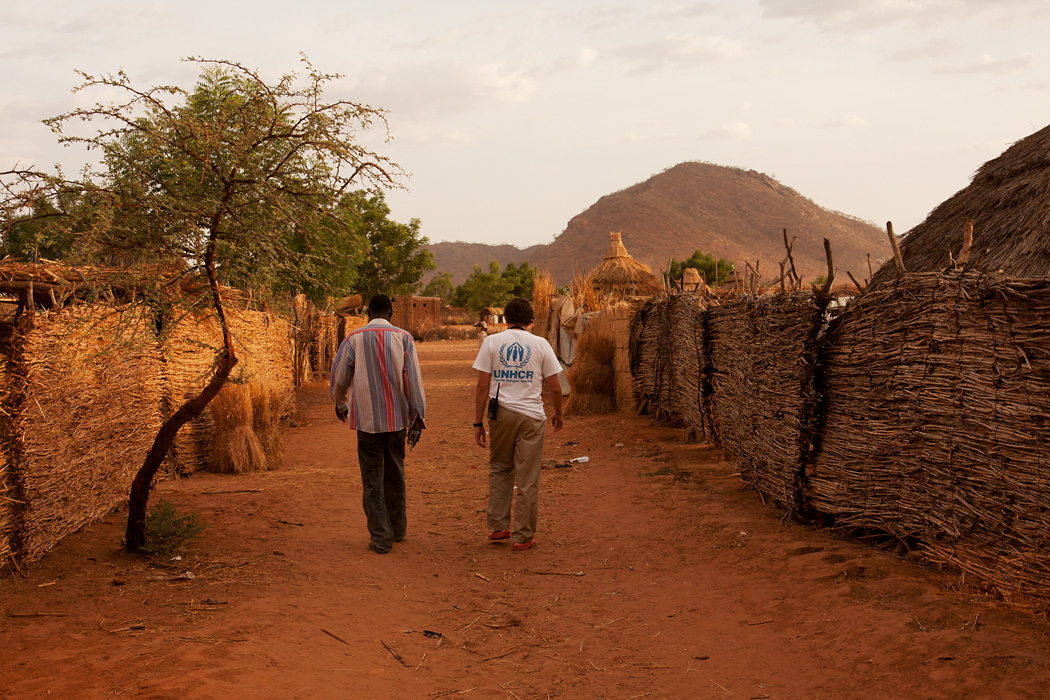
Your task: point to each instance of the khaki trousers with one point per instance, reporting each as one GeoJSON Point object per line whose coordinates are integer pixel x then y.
{"type": "Point", "coordinates": [515, 454]}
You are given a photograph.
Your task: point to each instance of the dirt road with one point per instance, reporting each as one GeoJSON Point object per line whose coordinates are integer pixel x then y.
{"type": "Point", "coordinates": [656, 576]}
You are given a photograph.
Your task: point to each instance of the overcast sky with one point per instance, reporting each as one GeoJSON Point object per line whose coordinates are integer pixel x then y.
{"type": "Point", "coordinates": [512, 117]}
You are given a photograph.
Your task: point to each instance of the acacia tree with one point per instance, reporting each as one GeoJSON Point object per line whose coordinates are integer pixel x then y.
{"type": "Point", "coordinates": [482, 289]}
{"type": "Point", "coordinates": [714, 271]}
{"type": "Point", "coordinates": [233, 178]}
{"type": "Point", "coordinates": [396, 256]}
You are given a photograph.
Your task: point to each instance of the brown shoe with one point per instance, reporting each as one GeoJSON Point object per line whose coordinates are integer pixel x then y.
{"type": "Point", "coordinates": [522, 546]}
{"type": "Point", "coordinates": [499, 535]}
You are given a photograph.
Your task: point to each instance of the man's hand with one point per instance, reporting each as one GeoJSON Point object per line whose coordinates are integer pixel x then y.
{"type": "Point", "coordinates": [341, 412]}
{"type": "Point", "coordinates": [479, 435]}
{"type": "Point", "coordinates": [557, 422]}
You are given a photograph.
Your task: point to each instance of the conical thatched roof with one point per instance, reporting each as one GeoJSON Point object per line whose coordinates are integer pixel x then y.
{"type": "Point", "coordinates": [1009, 202]}
{"type": "Point", "coordinates": [620, 276]}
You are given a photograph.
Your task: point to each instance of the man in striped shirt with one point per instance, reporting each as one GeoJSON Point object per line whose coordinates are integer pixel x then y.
{"type": "Point", "coordinates": [378, 365]}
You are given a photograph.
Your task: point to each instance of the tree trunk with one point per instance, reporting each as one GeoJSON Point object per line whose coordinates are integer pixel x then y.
{"type": "Point", "coordinates": [135, 534]}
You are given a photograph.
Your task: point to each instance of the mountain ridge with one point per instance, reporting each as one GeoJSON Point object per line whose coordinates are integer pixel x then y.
{"type": "Point", "coordinates": [728, 212]}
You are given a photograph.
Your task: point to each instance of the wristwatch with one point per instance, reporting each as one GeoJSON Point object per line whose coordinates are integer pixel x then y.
{"type": "Point", "coordinates": [479, 425]}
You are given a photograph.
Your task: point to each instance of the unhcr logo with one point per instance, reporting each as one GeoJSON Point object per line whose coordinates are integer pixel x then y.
{"type": "Point", "coordinates": [515, 354]}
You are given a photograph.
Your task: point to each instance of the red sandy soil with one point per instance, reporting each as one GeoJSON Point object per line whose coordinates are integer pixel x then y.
{"type": "Point", "coordinates": [656, 576]}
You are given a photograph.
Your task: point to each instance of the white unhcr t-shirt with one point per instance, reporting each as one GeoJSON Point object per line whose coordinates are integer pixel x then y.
{"type": "Point", "coordinates": [519, 362]}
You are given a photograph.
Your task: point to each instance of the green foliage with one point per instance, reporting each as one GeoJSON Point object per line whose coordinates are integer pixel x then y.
{"type": "Point", "coordinates": [395, 255]}
{"type": "Point", "coordinates": [247, 171]}
{"type": "Point", "coordinates": [440, 285]}
{"type": "Point", "coordinates": [483, 289]}
{"type": "Point", "coordinates": [714, 272]}
{"type": "Point", "coordinates": [820, 279]}
{"type": "Point", "coordinates": [167, 530]}
{"type": "Point", "coordinates": [36, 235]}
{"type": "Point", "coordinates": [521, 279]}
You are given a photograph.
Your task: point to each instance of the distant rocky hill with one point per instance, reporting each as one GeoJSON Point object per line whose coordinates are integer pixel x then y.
{"type": "Point", "coordinates": [727, 212]}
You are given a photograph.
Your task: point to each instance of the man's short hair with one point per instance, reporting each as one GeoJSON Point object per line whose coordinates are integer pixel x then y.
{"type": "Point", "coordinates": [518, 312]}
{"type": "Point", "coordinates": [379, 305]}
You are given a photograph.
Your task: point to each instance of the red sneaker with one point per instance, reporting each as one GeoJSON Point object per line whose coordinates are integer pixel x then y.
{"type": "Point", "coordinates": [499, 535]}
{"type": "Point", "coordinates": [522, 546]}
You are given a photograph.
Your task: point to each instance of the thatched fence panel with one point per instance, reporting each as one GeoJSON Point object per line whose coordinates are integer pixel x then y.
{"type": "Point", "coordinates": [263, 342]}
{"type": "Point", "coordinates": [763, 353]}
{"type": "Point", "coordinates": [10, 446]}
{"type": "Point", "coordinates": [938, 403]}
{"type": "Point", "coordinates": [90, 411]}
{"type": "Point", "coordinates": [667, 359]}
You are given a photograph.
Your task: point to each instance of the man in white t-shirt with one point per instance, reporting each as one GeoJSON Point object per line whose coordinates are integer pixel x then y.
{"type": "Point", "coordinates": [512, 368]}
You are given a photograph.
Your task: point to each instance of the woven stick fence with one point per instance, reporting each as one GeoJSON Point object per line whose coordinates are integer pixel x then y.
{"type": "Point", "coordinates": [938, 404]}
{"type": "Point", "coordinates": [666, 359]}
{"type": "Point", "coordinates": [90, 411]}
{"type": "Point", "coordinates": [762, 354]}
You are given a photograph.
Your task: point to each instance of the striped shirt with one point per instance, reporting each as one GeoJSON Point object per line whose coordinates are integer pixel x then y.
{"type": "Point", "coordinates": [378, 364]}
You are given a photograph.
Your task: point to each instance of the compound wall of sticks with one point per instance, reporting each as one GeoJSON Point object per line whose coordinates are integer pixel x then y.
{"type": "Point", "coordinates": [922, 410]}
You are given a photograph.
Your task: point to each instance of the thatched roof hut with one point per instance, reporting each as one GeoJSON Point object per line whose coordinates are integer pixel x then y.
{"type": "Point", "coordinates": [1009, 202]}
{"type": "Point", "coordinates": [620, 276]}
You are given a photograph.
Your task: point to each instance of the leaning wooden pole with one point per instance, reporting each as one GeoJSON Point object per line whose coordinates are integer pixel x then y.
{"type": "Point", "coordinates": [796, 281]}
{"type": "Point", "coordinates": [964, 254]}
{"type": "Point", "coordinates": [831, 269]}
{"type": "Point", "coordinates": [898, 259]}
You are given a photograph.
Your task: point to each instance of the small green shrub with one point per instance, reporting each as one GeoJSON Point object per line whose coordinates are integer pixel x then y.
{"type": "Point", "coordinates": [166, 529]}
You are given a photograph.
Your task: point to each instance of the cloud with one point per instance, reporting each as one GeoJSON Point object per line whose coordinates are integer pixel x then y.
{"type": "Point", "coordinates": [932, 48]}
{"type": "Point", "coordinates": [867, 14]}
{"type": "Point", "coordinates": [600, 18]}
{"type": "Point", "coordinates": [987, 64]}
{"type": "Point", "coordinates": [679, 51]}
{"type": "Point", "coordinates": [419, 96]}
{"type": "Point", "coordinates": [836, 13]}
{"type": "Point", "coordinates": [729, 131]}
{"type": "Point", "coordinates": [581, 59]}
{"type": "Point", "coordinates": [652, 132]}
{"type": "Point", "coordinates": [664, 13]}
{"type": "Point", "coordinates": [845, 121]}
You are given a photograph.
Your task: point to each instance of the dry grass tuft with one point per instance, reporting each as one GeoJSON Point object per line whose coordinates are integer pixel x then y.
{"type": "Point", "coordinates": [235, 447]}
{"type": "Point", "coordinates": [592, 376]}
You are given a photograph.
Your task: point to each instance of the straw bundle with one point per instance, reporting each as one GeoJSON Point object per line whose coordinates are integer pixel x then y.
{"type": "Point", "coordinates": [584, 295]}
{"type": "Point", "coordinates": [591, 375]}
{"type": "Point", "coordinates": [245, 437]}
{"type": "Point", "coordinates": [619, 275]}
{"type": "Point", "coordinates": [93, 390]}
{"type": "Point", "coordinates": [267, 410]}
{"type": "Point", "coordinates": [234, 448]}
{"type": "Point", "coordinates": [938, 402]}
{"type": "Point", "coordinates": [543, 293]}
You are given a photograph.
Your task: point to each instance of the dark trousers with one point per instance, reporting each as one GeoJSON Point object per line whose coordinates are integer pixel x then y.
{"type": "Point", "coordinates": [382, 460]}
